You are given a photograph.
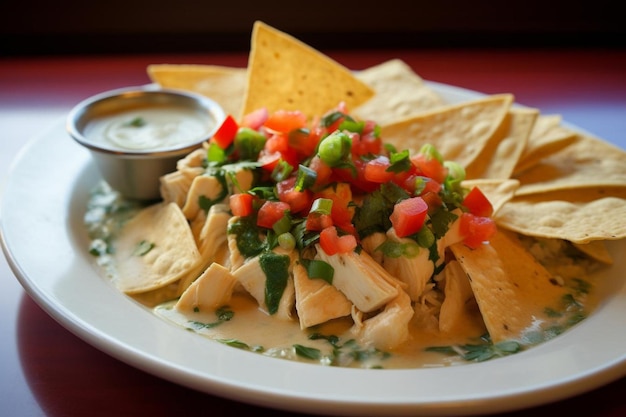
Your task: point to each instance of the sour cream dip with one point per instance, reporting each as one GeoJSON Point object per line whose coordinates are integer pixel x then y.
{"type": "Point", "coordinates": [137, 134]}
{"type": "Point", "coordinates": [151, 128]}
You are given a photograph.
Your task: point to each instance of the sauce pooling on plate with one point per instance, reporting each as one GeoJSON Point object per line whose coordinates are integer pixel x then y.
{"type": "Point", "coordinates": [149, 128]}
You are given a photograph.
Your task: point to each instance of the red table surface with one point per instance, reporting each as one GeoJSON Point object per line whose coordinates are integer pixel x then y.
{"type": "Point", "coordinates": [46, 370]}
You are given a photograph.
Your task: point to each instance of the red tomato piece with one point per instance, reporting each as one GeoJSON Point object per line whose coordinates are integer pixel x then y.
{"type": "Point", "coordinates": [277, 143]}
{"type": "Point", "coordinates": [226, 132]}
{"type": "Point", "coordinates": [285, 121]}
{"type": "Point", "coordinates": [430, 167]}
{"type": "Point", "coordinates": [270, 212]}
{"type": "Point", "coordinates": [241, 204]}
{"type": "Point", "coordinates": [317, 222]}
{"type": "Point", "coordinates": [376, 170]}
{"type": "Point", "coordinates": [477, 203]}
{"type": "Point", "coordinates": [332, 243]}
{"type": "Point", "coordinates": [322, 169]}
{"type": "Point", "coordinates": [408, 216]}
{"type": "Point", "coordinates": [303, 142]}
{"type": "Point", "coordinates": [298, 200]}
{"type": "Point", "coordinates": [255, 119]}
{"type": "Point", "coordinates": [476, 229]}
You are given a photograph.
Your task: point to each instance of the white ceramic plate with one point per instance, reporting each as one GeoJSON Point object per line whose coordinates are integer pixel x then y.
{"type": "Point", "coordinates": [46, 245]}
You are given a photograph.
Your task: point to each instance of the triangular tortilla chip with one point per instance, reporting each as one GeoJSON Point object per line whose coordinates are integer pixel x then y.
{"type": "Point", "coordinates": [588, 162]}
{"type": "Point", "coordinates": [284, 73]}
{"type": "Point", "coordinates": [578, 215]}
{"type": "Point", "coordinates": [400, 93]}
{"type": "Point", "coordinates": [154, 249]}
{"type": "Point", "coordinates": [459, 131]}
{"type": "Point", "coordinates": [501, 153]}
{"type": "Point", "coordinates": [512, 289]}
{"type": "Point", "coordinates": [547, 137]}
{"type": "Point", "coordinates": [225, 85]}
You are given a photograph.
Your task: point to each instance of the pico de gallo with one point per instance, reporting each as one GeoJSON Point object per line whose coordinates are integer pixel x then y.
{"type": "Point", "coordinates": [333, 181]}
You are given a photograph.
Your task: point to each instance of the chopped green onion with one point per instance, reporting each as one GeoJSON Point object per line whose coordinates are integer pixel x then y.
{"type": "Point", "coordinates": [283, 225]}
{"type": "Point", "coordinates": [334, 148]}
{"type": "Point", "coordinates": [249, 142]}
{"type": "Point", "coordinates": [322, 206]}
{"type": "Point", "coordinates": [281, 171]}
{"type": "Point", "coordinates": [286, 241]}
{"type": "Point", "coordinates": [456, 174]}
{"type": "Point", "coordinates": [431, 152]}
{"type": "Point", "coordinates": [305, 178]}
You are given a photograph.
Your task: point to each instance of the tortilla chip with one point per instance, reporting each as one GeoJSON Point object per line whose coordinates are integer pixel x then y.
{"type": "Point", "coordinates": [154, 249]}
{"type": "Point", "coordinates": [284, 73]}
{"type": "Point", "coordinates": [400, 93]}
{"type": "Point", "coordinates": [587, 162]}
{"type": "Point", "coordinates": [458, 131]}
{"type": "Point", "coordinates": [498, 192]}
{"type": "Point", "coordinates": [577, 215]}
{"type": "Point", "coordinates": [502, 151]}
{"type": "Point", "coordinates": [511, 288]}
{"type": "Point", "coordinates": [547, 137]}
{"type": "Point", "coordinates": [225, 85]}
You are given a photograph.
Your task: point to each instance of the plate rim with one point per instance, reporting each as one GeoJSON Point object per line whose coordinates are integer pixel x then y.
{"type": "Point", "coordinates": [58, 301]}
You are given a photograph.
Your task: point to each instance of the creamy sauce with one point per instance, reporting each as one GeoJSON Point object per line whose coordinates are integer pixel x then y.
{"type": "Point", "coordinates": [149, 128]}
{"type": "Point", "coordinates": [250, 328]}
{"type": "Point", "coordinates": [256, 331]}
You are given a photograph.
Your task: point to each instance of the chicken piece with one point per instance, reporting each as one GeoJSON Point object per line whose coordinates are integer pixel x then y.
{"type": "Point", "coordinates": [415, 271]}
{"type": "Point", "coordinates": [212, 240]}
{"type": "Point", "coordinates": [389, 328]}
{"type": "Point", "coordinates": [363, 281]}
{"type": "Point", "coordinates": [194, 159]}
{"type": "Point", "coordinates": [371, 242]}
{"type": "Point", "coordinates": [203, 186]}
{"type": "Point", "coordinates": [458, 296]}
{"type": "Point", "coordinates": [254, 280]}
{"type": "Point", "coordinates": [211, 290]}
{"type": "Point", "coordinates": [175, 187]}
{"type": "Point", "coordinates": [236, 259]}
{"type": "Point", "coordinates": [316, 300]}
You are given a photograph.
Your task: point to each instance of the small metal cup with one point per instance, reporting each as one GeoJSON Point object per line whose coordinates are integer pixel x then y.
{"type": "Point", "coordinates": [136, 173]}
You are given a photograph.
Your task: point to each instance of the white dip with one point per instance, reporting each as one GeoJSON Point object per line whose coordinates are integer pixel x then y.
{"type": "Point", "coordinates": [149, 128]}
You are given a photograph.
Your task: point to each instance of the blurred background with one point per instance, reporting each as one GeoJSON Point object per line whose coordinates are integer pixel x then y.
{"type": "Point", "coordinates": [38, 27]}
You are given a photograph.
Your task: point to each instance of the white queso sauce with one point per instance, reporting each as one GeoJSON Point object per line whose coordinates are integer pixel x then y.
{"type": "Point", "coordinates": [149, 128]}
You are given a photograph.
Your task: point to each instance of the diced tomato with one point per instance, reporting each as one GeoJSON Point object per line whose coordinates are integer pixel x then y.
{"type": "Point", "coordinates": [433, 200]}
{"type": "Point", "coordinates": [476, 229]}
{"type": "Point", "coordinates": [298, 200]}
{"type": "Point", "coordinates": [304, 142]}
{"type": "Point", "coordinates": [430, 167]}
{"type": "Point", "coordinates": [376, 170]}
{"type": "Point", "coordinates": [419, 185]}
{"type": "Point", "coordinates": [255, 119]}
{"type": "Point", "coordinates": [241, 204]}
{"type": "Point", "coordinates": [270, 212]}
{"type": "Point", "coordinates": [225, 135]}
{"type": "Point", "coordinates": [332, 243]}
{"type": "Point", "coordinates": [317, 222]}
{"type": "Point", "coordinates": [357, 181]}
{"type": "Point", "coordinates": [408, 216]}
{"type": "Point", "coordinates": [342, 210]}
{"type": "Point", "coordinates": [367, 142]}
{"type": "Point", "coordinates": [322, 169]}
{"type": "Point", "coordinates": [477, 203]}
{"type": "Point", "coordinates": [285, 121]}
{"type": "Point", "coordinates": [277, 143]}
{"type": "Point", "coordinates": [269, 160]}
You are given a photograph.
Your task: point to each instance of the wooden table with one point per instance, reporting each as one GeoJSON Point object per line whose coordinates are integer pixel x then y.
{"type": "Point", "coordinates": [46, 370]}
